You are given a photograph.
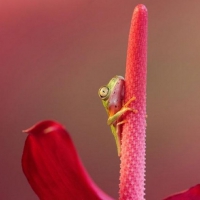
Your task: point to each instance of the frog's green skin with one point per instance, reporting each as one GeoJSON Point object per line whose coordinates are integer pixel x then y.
{"type": "Point", "coordinates": [112, 96]}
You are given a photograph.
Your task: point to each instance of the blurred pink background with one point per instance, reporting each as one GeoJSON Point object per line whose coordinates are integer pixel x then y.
{"type": "Point", "coordinates": [56, 54]}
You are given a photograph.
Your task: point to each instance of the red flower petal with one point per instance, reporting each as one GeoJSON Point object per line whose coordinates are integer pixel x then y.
{"type": "Point", "coordinates": [192, 194]}
{"type": "Point", "coordinates": [53, 168]}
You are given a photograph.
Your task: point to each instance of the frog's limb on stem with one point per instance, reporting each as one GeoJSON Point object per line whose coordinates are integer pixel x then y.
{"type": "Point", "coordinates": [114, 122]}
{"type": "Point", "coordinates": [112, 119]}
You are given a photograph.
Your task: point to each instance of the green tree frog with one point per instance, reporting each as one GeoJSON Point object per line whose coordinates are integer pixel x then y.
{"type": "Point", "coordinates": [112, 96]}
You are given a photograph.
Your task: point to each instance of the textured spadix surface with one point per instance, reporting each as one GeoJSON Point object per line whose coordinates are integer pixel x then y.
{"type": "Point", "coordinates": [133, 136]}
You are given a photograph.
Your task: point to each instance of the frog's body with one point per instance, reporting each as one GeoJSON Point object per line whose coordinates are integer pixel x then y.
{"type": "Point", "coordinates": [112, 96]}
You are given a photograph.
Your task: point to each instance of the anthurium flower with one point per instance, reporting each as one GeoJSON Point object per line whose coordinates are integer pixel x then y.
{"type": "Point", "coordinates": [54, 170]}
{"type": "Point", "coordinates": [50, 161]}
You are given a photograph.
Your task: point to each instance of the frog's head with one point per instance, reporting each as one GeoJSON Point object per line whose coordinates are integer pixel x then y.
{"type": "Point", "coordinates": [112, 94]}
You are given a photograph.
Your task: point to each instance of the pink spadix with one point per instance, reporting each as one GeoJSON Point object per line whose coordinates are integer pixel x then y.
{"type": "Point", "coordinates": [132, 173]}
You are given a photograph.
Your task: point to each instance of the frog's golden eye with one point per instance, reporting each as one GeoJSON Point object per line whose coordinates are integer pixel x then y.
{"type": "Point", "coordinates": [103, 92]}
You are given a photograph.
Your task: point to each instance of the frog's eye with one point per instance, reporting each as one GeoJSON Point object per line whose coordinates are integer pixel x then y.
{"type": "Point", "coordinates": [103, 92]}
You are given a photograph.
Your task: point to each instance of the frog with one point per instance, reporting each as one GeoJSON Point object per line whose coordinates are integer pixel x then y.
{"type": "Point", "coordinates": [112, 96]}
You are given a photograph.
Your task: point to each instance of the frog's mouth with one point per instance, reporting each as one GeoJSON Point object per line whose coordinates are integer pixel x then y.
{"type": "Point", "coordinates": [121, 77]}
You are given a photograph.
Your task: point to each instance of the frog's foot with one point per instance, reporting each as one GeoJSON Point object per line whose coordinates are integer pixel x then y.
{"type": "Point", "coordinates": [113, 118]}
{"type": "Point", "coordinates": [129, 101]}
{"type": "Point", "coordinates": [122, 122]}
{"type": "Point", "coordinates": [125, 106]}
{"type": "Point", "coordinates": [134, 110]}
{"type": "Point", "coordinates": [129, 109]}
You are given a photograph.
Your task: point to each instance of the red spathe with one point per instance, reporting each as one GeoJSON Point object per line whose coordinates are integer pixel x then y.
{"type": "Point", "coordinates": [53, 168]}
{"type": "Point", "coordinates": [191, 194]}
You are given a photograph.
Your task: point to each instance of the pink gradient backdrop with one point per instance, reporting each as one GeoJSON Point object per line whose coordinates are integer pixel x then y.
{"type": "Point", "coordinates": [56, 54]}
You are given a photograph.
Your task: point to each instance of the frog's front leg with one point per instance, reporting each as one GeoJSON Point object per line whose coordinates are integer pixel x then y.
{"type": "Point", "coordinates": [129, 101]}
{"type": "Point", "coordinates": [114, 122]}
{"type": "Point", "coordinates": [112, 119]}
